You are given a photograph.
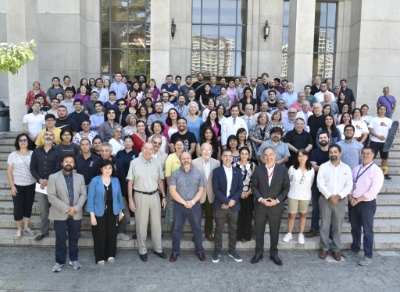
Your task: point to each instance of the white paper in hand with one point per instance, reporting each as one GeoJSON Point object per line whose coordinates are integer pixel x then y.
{"type": "Point", "coordinates": [38, 189]}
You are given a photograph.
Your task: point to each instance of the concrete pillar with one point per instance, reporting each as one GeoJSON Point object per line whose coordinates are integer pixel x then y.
{"type": "Point", "coordinates": [160, 61]}
{"type": "Point", "coordinates": [21, 27]}
{"type": "Point", "coordinates": [301, 39]}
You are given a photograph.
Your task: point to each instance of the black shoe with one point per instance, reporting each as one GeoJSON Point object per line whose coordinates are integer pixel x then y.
{"type": "Point", "coordinates": [387, 177]}
{"type": "Point", "coordinates": [134, 236]}
{"type": "Point", "coordinates": [276, 260]}
{"type": "Point", "coordinates": [40, 237]}
{"type": "Point", "coordinates": [257, 257]}
{"type": "Point", "coordinates": [143, 257]}
{"type": "Point", "coordinates": [312, 233]}
{"type": "Point", "coordinates": [160, 254]}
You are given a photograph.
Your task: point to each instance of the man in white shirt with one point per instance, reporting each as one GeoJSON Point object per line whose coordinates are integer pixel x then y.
{"type": "Point", "coordinates": [335, 182]}
{"type": "Point", "coordinates": [249, 118]}
{"type": "Point", "coordinates": [281, 107]}
{"type": "Point", "coordinates": [232, 125]}
{"type": "Point", "coordinates": [33, 122]}
{"type": "Point", "coordinates": [319, 96]}
{"type": "Point", "coordinates": [264, 110]}
{"type": "Point", "coordinates": [289, 122]}
{"type": "Point", "coordinates": [290, 96]}
{"type": "Point", "coordinates": [103, 93]}
{"type": "Point", "coordinates": [165, 101]}
{"type": "Point", "coordinates": [305, 113]}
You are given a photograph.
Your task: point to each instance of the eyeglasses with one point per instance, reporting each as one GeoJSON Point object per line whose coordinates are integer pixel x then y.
{"type": "Point", "coordinates": [292, 113]}
{"type": "Point", "coordinates": [50, 120]}
{"type": "Point", "coordinates": [67, 135]}
{"type": "Point", "coordinates": [155, 143]}
{"type": "Point", "coordinates": [86, 124]}
{"type": "Point", "coordinates": [121, 104]}
{"type": "Point", "coordinates": [23, 140]}
{"type": "Point", "coordinates": [302, 179]}
{"type": "Point", "coordinates": [119, 131]}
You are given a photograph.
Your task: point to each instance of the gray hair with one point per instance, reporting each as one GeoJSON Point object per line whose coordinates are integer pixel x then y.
{"type": "Point", "coordinates": [386, 87]}
{"type": "Point", "coordinates": [301, 92]}
{"type": "Point", "coordinates": [242, 78]}
{"type": "Point", "coordinates": [115, 129]}
{"type": "Point", "coordinates": [337, 86]}
{"type": "Point", "coordinates": [195, 103]}
{"type": "Point", "coordinates": [305, 101]}
{"type": "Point", "coordinates": [106, 144]}
{"type": "Point", "coordinates": [156, 136]}
{"type": "Point", "coordinates": [205, 144]}
{"type": "Point", "coordinates": [147, 143]}
{"type": "Point", "coordinates": [248, 105]}
{"type": "Point", "coordinates": [301, 119]}
{"type": "Point", "coordinates": [290, 83]}
{"type": "Point", "coordinates": [269, 147]}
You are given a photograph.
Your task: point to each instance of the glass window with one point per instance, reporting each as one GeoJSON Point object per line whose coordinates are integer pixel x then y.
{"type": "Point", "coordinates": [125, 37]}
{"type": "Point", "coordinates": [285, 39]}
{"type": "Point", "coordinates": [324, 39]}
{"type": "Point", "coordinates": [219, 37]}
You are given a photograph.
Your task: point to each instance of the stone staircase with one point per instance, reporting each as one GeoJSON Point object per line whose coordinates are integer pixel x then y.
{"type": "Point", "coordinates": [387, 217]}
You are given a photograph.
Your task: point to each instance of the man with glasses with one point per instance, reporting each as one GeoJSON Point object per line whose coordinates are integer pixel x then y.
{"type": "Point", "coordinates": [78, 115]}
{"type": "Point", "coordinates": [319, 96]}
{"type": "Point", "coordinates": [85, 133]}
{"type": "Point", "coordinates": [98, 118]}
{"type": "Point", "coordinates": [33, 123]}
{"type": "Point", "coordinates": [44, 162]}
{"type": "Point", "coordinates": [158, 116]}
{"type": "Point", "coordinates": [289, 122]}
{"type": "Point", "coordinates": [156, 140]}
{"type": "Point", "coordinates": [64, 121]}
{"type": "Point", "coordinates": [122, 113]}
{"type": "Point", "coordinates": [50, 120]}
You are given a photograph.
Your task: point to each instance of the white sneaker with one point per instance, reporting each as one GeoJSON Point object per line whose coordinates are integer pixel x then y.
{"type": "Point", "coordinates": [301, 239]}
{"type": "Point", "coordinates": [287, 237]}
{"type": "Point", "coordinates": [122, 236]}
{"type": "Point", "coordinates": [132, 221]}
{"type": "Point", "coordinates": [110, 260]}
{"type": "Point", "coordinates": [100, 263]}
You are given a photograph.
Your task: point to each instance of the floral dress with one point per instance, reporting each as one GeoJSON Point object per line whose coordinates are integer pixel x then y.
{"type": "Point", "coordinates": [247, 172]}
{"type": "Point", "coordinates": [271, 125]}
{"type": "Point", "coordinates": [257, 133]}
{"type": "Point", "coordinates": [225, 102]}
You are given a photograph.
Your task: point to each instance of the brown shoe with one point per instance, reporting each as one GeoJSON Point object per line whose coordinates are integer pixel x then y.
{"type": "Point", "coordinates": [312, 233]}
{"type": "Point", "coordinates": [209, 237]}
{"type": "Point", "coordinates": [337, 256]}
{"type": "Point", "coordinates": [323, 254]}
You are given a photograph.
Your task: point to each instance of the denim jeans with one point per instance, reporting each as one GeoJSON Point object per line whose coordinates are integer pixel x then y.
{"type": "Point", "coordinates": [362, 215]}
{"type": "Point", "coordinates": [194, 217]}
{"type": "Point", "coordinates": [61, 227]}
{"type": "Point", "coordinates": [389, 115]}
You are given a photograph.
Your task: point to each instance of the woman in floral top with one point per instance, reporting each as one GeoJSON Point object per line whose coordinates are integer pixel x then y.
{"type": "Point", "coordinates": [30, 98]}
{"type": "Point", "coordinates": [86, 133]}
{"type": "Point", "coordinates": [258, 133]}
{"type": "Point", "coordinates": [131, 129]}
{"type": "Point", "coordinates": [276, 119]}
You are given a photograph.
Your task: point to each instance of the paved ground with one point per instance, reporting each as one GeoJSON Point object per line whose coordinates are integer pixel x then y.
{"type": "Point", "coordinates": [30, 269]}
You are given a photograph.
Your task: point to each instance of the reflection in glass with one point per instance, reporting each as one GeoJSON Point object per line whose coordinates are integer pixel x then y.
{"type": "Point", "coordinates": [226, 63]}
{"type": "Point", "coordinates": [319, 40]}
{"type": "Point", "coordinates": [241, 13]}
{"type": "Point", "coordinates": [148, 35]}
{"type": "Point", "coordinates": [119, 9]}
{"type": "Point", "coordinates": [331, 14]}
{"type": "Point", "coordinates": [138, 11]}
{"type": "Point", "coordinates": [240, 64]}
{"type": "Point", "coordinates": [209, 37]}
{"type": "Point", "coordinates": [286, 5]}
{"type": "Point", "coordinates": [329, 62]}
{"type": "Point", "coordinates": [105, 35]}
{"type": "Point", "coordinates": [209, 61]}
{"type": "Point", "coordinates": [105, 61]}
{"type": "Point", "coordinates": [227, 13]}
{"type": "Point", "coordinates": [196, 37]}
{"type": "Point", "coordinates": [240, 38]}
{"type": "Point", "coordinates": [318, 64]}
{"type": "Point", "coordinates": [227, 37]}
{"type": "Point", "coordinates": [105, 10]}
{"type": "Point", "coordinates": [210, 11]}
{"type": "Point", "coordinates": [285, 37]}
{"type": "Point", "coordinates": [320, 14]}
{"type": "Point", "coordinates": [147, 62]}
{"type": "Point", "coordinates": [118, 35]}
{"type": "Point", "coordinates": [330, 40]}
{"type": "Point", "coordinates": [195, 62]}
{"type": "Point", "coordinates": [136, 62]}
{"type": "Point", "coordinates": [137, 36]}
{"type": "Point", "coordinates": [196, 11]}
{"type": "Point", "coordinates": [119, 61]}
{"type": "Point", "coordinates": [284, 64]}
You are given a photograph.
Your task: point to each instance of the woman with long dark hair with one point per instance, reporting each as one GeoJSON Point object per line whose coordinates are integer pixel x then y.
{"type": "Point", "coordinates": [67, 83]}
{"type": "Point", "coordinates": [212, 121]}
{"type": "Point", "coordinates": [334, 134]}
{"type": "Point", "coordinates": [54, 89]}
{"type": "Point", "coordinates": [140, 137]}
{"type": "Point", "coordinates": [246, 200]}
{"type": "Point", "coordinates": [143, 114]}
{"type": "Point", "coordinates": [148, 105]}
{"type": "Point", "coordinates": [66, 146]}
{"type": "Point", "coordinates": [327, 110]}
{"type": "Point", "coordinates": [232, 144]}
{"type": "Point", "coordinates": [171, 124]}
{"type": "Point", "coordinates": [243, 142]}
{"type": "Point", "coordinates": [207, 135]}
{"type": "Point", "coordinates": [206, 95]}
{"type": "Point", "coordinates": [247, 99]}
{"type": "Point", "coordinates": [345, 109]}
{"type": "Point", "coordinates": [131, 102]}
{"type": "Point", "coordinates": [85, 83]}
{"type": "Point", "coordinates": [344, 121]}
{"type": "Point", "coordinates": [301, 175]}
{"type": "Point", "coordinates": [105, 205]}
{"type": "Point", "coordinates": [342, 100]}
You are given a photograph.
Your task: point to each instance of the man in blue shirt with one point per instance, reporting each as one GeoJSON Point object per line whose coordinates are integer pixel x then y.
{"type": "Point", "coordinates": [158, 116]}
{"type": "Point", "coordinates": [181, 107]}
{"type": "Point", "coordinates": [282, 149]}
{"type": "Point", "coordinates": [119, 87]}
{"type": "Point", "coordinates": [290, 96]}
{"type": "Point", "coordinates": [172, 88]}
{"type": "Point", "coordinates": [98, 118]}
{"type": "Point", "coordinates": [216, 89]}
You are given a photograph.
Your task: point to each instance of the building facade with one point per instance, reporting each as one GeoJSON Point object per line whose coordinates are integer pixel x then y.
{"type": "Point", "coordinates": [351, 39]}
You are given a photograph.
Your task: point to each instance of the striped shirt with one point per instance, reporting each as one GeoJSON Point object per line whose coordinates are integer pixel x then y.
{"type": "Point", "coordinates": [20, 172]}
{"type": "Point", "coordinates": [145, 174]}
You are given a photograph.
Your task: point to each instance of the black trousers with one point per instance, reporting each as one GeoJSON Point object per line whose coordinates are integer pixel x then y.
{"type": "Point", "coordinates": [23, 202]}
{"type": "Point", "coordinates": [208, 227]}
{"type": "Point", "coordinates": [222, 216]}
{"type": "Point", "coordinates": [274, 227]}
{"type": "Point", "coordinates": [105, 235]}
{"type": "Point", "coordinates": [244, 218]}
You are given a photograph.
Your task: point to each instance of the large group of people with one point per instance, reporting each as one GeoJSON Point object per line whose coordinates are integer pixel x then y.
{"type": "Point", "coordinates": [123, 151]}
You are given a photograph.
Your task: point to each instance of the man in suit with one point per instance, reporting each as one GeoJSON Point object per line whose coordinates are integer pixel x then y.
{"type": "Point", "coordinates": [249, 118]}
{"type": "Point", "coordinates": [122, 113]}
{"type": "Point", "coordinates": [206, 165]}
{"type": "Point", "coordinates": [67, 194]}
{"type": "Point", "coordinates": [231, 125]}
{"type": "Point", "coordinates": [270, 184]}
{"type": "Point", "coordinates": [227, 183]}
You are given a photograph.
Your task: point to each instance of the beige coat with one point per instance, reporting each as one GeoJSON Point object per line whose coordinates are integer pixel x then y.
{"type": "Point", "coordinates": [59, 199]}
{"type": "Point", "coordinates": [198, 163]}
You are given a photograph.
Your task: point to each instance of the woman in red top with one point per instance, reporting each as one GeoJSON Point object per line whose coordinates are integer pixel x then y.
{"type": "Point", "coordinates": [30, 98]}
{"type": "Point", "coordinates": [140, 137]}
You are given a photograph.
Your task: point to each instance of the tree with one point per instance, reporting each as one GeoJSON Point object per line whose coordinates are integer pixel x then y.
{"type": "Point", "coordinates": [13, 57]}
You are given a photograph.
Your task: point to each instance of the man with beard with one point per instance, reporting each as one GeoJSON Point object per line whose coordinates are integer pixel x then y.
{"type": "Point", "coordinates": [281, 149]}
{"type": "Point", "coordinates": [265, 93]}
{"type": "Point", "coordinates": [199, 85]}
{"type": "Point", "coordinates": [262, 86]}
{"type": "Point", "coordinates": [317, 158]}
{"type": "Point", "coordinates": [44, 162]}
{"type": "Point", "coordinates": [335, 182]}
{"type": "Point", "coordinates": [64, 121]}
{"type": "Point", "coordinates": [158, 116]}
{"type": "Point", "coordinates": [181, 107]}
{"type": "Point", "coordinates": [67, 194]}
{"type": "Point", "coordinates": [188, 137]}
{"type": "Point", "coordinates": [316, 121]}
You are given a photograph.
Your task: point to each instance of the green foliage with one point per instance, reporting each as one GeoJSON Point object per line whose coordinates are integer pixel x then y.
{"type": "Point", "coordinates": [13, 57]}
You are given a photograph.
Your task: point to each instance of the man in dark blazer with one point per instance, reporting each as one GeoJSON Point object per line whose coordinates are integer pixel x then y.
{"type": "Point", "coordinates": [270, 185]}
{"type": "Point", "coordinates": [227, 184]}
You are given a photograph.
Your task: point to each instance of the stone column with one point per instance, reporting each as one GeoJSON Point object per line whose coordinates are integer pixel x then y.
{"type": "Point", "coordinates": [301, 40]}
{"type": "Point", "coordinates": [21, 27]}
{"type": "Point", "coordinates": [160, 62]}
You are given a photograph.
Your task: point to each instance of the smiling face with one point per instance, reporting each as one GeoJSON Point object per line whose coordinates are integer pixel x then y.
{"type": "Point", "coordinates": [157, 128]}
{"type": "Point", "coordinates": [128, 143]}
{"type": "Point", "coordinates": [179, 147]}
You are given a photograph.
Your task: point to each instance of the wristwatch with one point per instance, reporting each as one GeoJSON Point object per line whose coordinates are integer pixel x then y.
{"type": "Point", "coordinates": [193, 202]}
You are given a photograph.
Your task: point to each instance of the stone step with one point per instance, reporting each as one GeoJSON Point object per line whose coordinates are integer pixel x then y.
{"type": "Point", "coordinates": [382, 241]}
{"type": "Point", "coordinates": [380, 225]}
{"type": "Point", "coordinates": [392, 155]}
{"type": "Point", "coordinates": [6, 149]}
{"type": "Point", "coordinates": [4, 157]}
{"type": "Point", "coordinates": [391, 162]}
{"type": "Point", "coordinates": [384, 212]}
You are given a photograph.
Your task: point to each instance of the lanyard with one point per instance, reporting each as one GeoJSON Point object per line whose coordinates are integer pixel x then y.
{"type": "Point", "coordinates": [359, 175]}
{"type": "Point", "coordinates": [270, 175]}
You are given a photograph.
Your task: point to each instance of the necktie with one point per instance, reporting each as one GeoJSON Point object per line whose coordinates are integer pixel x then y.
{"type": "Point", "coordinates": [234, 121]}
{"type": "Point", "coordinates": [248, 124]}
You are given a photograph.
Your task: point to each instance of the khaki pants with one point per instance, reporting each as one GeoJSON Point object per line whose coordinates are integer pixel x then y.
{"type": "Point", "coordinates": [148, 205]}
